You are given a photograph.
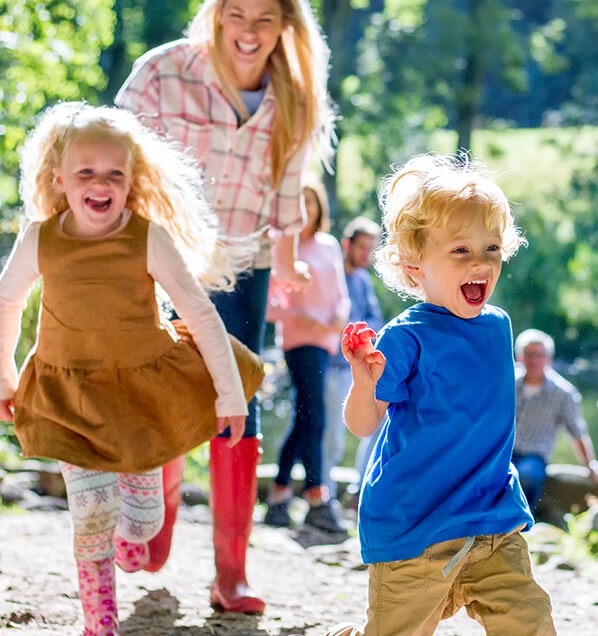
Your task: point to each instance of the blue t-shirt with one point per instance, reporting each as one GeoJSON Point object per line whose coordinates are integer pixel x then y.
{"type": "Point", "coordinates": [441, 467]}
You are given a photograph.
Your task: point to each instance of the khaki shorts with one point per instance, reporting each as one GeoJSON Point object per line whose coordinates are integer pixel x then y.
{"type": "Point", "coordinates": [493, 580]}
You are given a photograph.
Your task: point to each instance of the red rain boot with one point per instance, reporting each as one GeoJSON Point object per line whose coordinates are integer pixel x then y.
{"type": "Point", "coordinates": [159, 546]}
{"type": "Point", "coordinates": [233, 491]}
{"type": "Point", "coordinates": [98, 597]}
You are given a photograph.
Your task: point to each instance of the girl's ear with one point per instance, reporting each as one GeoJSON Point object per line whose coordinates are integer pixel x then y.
{"type": "Point", "coordinates": [58, 183]}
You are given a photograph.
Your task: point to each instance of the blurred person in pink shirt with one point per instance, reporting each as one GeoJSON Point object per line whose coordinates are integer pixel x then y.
{"type": "Point", "coordinates": [308, 325]}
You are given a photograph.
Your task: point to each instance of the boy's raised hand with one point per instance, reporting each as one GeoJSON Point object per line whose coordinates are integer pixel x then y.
{"type": "Point", "coordinates": [357, 347]}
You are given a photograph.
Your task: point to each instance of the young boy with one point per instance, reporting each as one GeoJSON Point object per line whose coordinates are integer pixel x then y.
{"type": "Point", "coordinates": [441, 507]}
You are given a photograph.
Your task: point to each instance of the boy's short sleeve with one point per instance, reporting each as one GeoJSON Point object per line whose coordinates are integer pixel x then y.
{"type": "Point", "coordinates": [401, 352]}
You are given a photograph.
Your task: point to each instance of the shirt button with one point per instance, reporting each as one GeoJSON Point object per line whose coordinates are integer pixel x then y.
{"type": "Point", "coordinates": [225, 176]}
{"type": "Point", "coordinates": [230, 150]}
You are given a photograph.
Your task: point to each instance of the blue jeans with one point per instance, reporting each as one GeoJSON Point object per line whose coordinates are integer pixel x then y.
{"type": "Point", "coordinates": [364, 452]}
{"type": "Point", "coordinates": [337, 384]}
{"type": "Point", "coordinates": [307, 366]}
{"type": "Point", "coordinates": [532, 474]}
{"type": "Point", "coordinates": [243, 312]}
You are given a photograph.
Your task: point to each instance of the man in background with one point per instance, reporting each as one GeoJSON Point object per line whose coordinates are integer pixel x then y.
{"type": "Point", "coordinates": [545, 402]}
{"type": "Point", "coordinates": [359, 239]}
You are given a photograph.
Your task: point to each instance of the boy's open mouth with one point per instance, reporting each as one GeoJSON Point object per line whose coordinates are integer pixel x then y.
{"type": "Point", "coordinates": [99, 204]}
{"type": "Point", "coordinates": [474, 291]}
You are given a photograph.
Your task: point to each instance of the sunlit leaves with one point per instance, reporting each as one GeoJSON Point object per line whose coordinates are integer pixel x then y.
{"type": "Point", "coordinates": [405, 14]}
{"type": "Point", "coordinates": [48, 51]}
{"type": "Point", "coordinates": [543, 43]}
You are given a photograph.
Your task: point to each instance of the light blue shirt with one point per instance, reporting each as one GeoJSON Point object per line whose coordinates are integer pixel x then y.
{"type": "Point", "coordinates": [364, 306]}
{"type": "Point", "coordinates": [253, 99]}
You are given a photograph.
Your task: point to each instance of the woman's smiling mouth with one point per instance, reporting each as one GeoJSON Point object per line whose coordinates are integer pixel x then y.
{"type": "Point", "coordinates": [247, 49]}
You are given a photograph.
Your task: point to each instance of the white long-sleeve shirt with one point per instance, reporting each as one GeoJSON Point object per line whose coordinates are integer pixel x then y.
{"type": "Point", "coordinates": [166, 266]}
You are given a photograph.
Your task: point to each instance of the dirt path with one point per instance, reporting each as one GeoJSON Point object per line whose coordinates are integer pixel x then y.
{"type": "Point", "coordinates": [308, 589]}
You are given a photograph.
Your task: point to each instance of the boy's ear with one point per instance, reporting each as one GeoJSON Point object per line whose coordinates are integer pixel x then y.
{"type": "Point", "coordinates": [411, 268]}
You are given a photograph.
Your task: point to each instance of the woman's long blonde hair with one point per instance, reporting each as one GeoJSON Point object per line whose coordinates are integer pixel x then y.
{"type": "Point", "coordinates": [298, 69]}
{"type": "Point", "coordinates": [166, 185]}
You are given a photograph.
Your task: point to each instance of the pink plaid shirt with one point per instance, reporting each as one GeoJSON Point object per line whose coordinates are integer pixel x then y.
{"type": "Point", "coordinates": [175, 90]}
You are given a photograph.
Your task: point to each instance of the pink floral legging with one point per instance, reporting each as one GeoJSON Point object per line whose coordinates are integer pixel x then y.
{"type": "Point", "coordinates": [101, 502]}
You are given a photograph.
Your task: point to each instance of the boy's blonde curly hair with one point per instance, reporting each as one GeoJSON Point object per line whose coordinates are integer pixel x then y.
{"type": "Point", "coordinates": [166, 185]}
{"type": "Point", "coordinates": [433, 191]}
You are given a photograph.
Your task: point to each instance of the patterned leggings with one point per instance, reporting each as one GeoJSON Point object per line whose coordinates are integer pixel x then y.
{"type": "Point", "coordinates": [101, 502]}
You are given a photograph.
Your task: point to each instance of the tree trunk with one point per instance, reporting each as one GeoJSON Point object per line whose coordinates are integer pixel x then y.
{"type": "Point", "coordinates": [113, 60]}
{"type": "Point", "coordinates": [470, 94]}
{"type": "Point", "coordinates": [336, 16]}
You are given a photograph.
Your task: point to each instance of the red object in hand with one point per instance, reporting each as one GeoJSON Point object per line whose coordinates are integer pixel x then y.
{"type": "Point", "coordinates": [362, 335]}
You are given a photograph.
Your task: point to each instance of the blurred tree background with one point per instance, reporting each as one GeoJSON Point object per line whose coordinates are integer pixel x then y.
{"type": "Point", "coordinates": [512, 81]}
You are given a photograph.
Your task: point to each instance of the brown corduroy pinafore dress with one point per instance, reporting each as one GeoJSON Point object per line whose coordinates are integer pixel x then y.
{"type": "Point", "coordinates": [107, 387]}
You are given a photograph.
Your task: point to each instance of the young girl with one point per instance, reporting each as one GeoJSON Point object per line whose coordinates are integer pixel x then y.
{"type": "Point", "coordinates": [107, 390]}
{"type": "Point", "coordinates": [309, 325]}
{"type": "Point", "coordinates": [246, 93]}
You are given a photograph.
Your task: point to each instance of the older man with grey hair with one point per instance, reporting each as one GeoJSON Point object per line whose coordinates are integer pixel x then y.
{"type": "Point", "coordinates": [545, 402]}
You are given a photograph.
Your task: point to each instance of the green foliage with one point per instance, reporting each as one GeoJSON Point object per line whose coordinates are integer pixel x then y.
{"type": "Point", "coordinates": [583, 537]}
{"type": "Point", "coordinates": [48, 51]}
{"type": "Point", "coordinates": [385, 112]}
{"type": "Point", "coordinates": [586, 9]}
{"type": "Point", "coordinates": [141, 25]}
{"type": "Point", "coordinates": [428, 64]}
{"type": "Point", "coordinates": [9, 446]}
{"type": "Point", "coordinates": [10, 451]}
{"type": "Point", "coordinates": [420, 66]}
{"type": "Point", "coordinates": [11, 509]}
{"type": "Point", "coordinates": [197, 466]}
{"type": "Point", "coordinates": [28, 325]}
{"type": "Point", "coordinates": [575, 547]}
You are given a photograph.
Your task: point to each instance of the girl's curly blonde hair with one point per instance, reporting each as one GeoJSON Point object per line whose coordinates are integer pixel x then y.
{"type": "Point", "coordinates": [432, 191]}
{"type": "Point", "coordinates": [166, 184]}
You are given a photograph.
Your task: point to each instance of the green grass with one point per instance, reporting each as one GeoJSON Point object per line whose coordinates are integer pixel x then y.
{"type": "Point", "coordinates": [563, 451]}
{"type": "Point", "coordinates": [529, 164]}
{"type": "Point", "coordinates": [11, 509]}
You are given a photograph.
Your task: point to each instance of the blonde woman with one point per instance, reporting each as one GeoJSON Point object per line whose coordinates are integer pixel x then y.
{"type": "Point", "coordinates": [308, 327]}
{"type": "Point", "coordinates": [245, 92]}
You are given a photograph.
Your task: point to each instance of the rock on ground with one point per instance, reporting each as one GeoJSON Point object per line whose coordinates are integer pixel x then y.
{"type": "Point", "coordinates": [307, 588]}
